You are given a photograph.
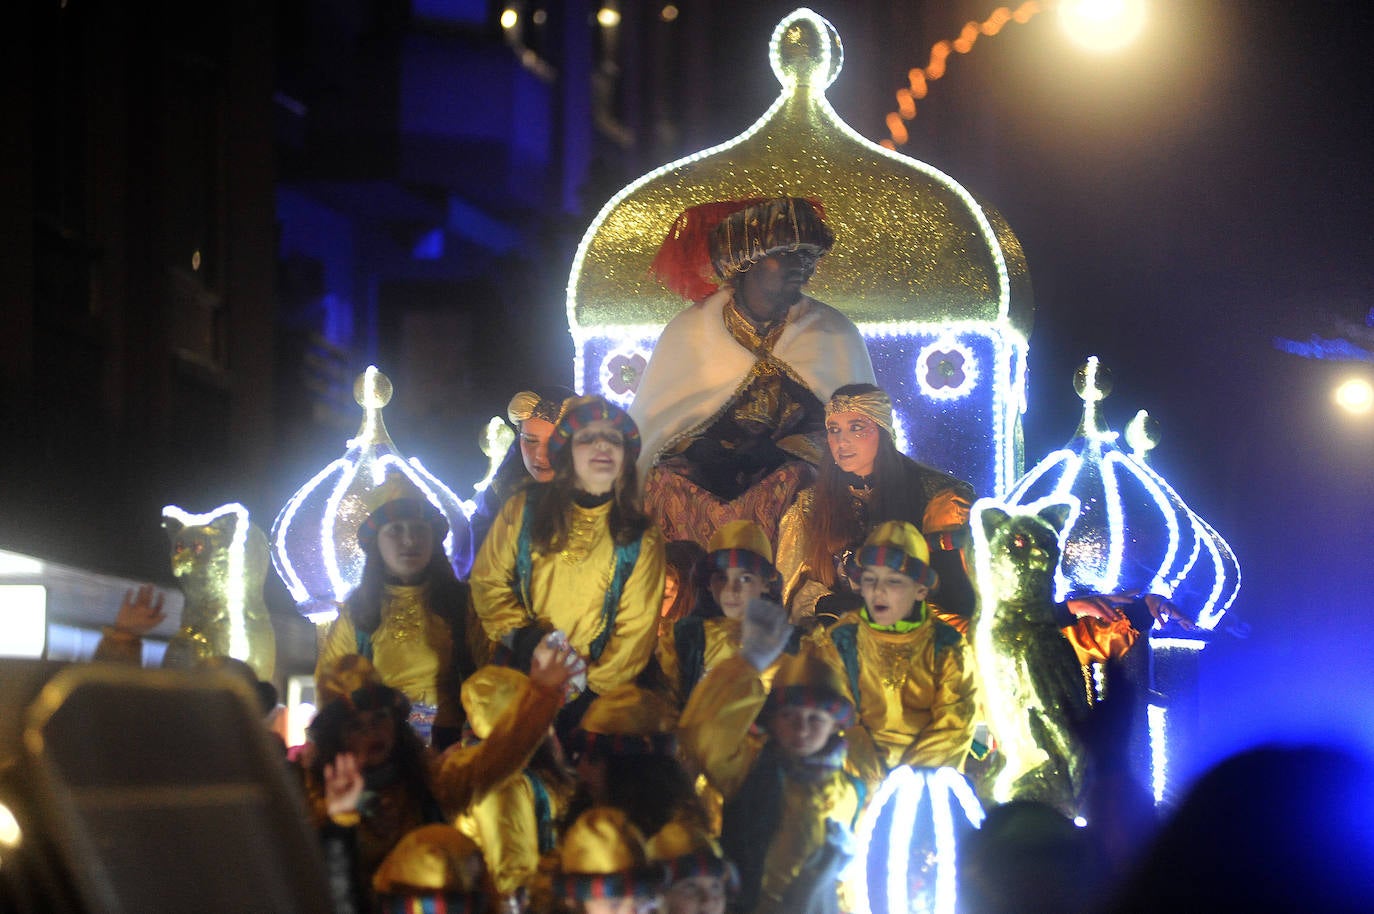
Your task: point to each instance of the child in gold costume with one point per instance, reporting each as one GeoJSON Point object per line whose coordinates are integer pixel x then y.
{"type": "Point", "coordinates": [577, 554]}
{"type": "Point", "coordinates": [370, 778]}
{"type": "Point", "coordinates": [910, 676]}
{"type": "Point", "coordinates": [789, 804]}
{"type": "Point", "coordinates": [513, 822]}
{"type": "Point", "coordinates": [737, 568]}
{"type": "Point", "coordinates": [409, 614]}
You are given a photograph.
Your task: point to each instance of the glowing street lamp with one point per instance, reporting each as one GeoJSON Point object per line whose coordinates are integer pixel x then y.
{"type": "Point", "coordinates": [1102, 26]}
{"type": "Point", "coordinates": [1355, 396]}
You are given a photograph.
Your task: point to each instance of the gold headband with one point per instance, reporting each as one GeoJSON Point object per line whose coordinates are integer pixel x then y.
{"type": "Point", "coordinates": [529, 405]}
{"type": "Point", "coordinates": [874, 405]}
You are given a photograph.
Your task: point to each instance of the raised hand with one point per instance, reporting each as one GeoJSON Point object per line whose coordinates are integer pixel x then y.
{"type": "Point", "coordinates": [141, 611]}
{"type": "Point", "coordinates": [343, 785]}
{"type": "Point", "coordinates": [555, 665]}
{"type": "Point", "coordinates": [765, 634]}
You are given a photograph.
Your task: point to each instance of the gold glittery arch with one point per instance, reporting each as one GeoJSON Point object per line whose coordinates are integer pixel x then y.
{"type": "Point", "coordinates": [912, 244]}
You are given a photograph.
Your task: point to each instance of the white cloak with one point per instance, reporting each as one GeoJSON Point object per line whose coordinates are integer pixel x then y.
{"type": "Point", "coordinates": [698, 368]}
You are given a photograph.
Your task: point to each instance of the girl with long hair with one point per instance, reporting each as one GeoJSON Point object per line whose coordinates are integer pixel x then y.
{"type": "Point", "coordinates": [863, 480]}
{"type": "Point", "coordinates": [577, 554]}
{"type": "Point", "coordinates": [408, 614]}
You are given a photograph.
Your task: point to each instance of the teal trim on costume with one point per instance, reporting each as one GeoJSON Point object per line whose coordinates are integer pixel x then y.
{"type": "Point", "coordinates": [543, 812]}
{"type": "Point", "coordinates": [363, 641]}
{"type": "Point", "coordinates": [524, 554]}
{"type": "Point", "coordinates": [846, 641]}
{"type": "Point", "coordinates": [689, 637]}
{"type": "Point", "coordinates": [625, 558]}
{"type": "Point", "coordinates": [946, 636]}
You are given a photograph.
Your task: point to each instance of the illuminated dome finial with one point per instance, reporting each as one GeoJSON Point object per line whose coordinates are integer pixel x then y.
{"type": "Point", "coordinates": [372, 389]}
{"type": "Point", "coordinates": [1143, 436]}
{"type": "Point", "coordinates": [1132, 533]}
{"type": "Point", "coordinates": [315, 536]}
{"type": "Point", "coordinates": [807, 51]}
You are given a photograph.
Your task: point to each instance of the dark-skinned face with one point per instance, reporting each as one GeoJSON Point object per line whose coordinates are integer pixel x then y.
{"type": "Point", "coordinates": [767, 289]}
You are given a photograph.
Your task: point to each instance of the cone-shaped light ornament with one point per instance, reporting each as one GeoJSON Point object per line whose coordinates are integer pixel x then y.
{"type": "Point", "coordinates": [315, 537]}
{"type": "Point", "coordinates": [1132, 531]}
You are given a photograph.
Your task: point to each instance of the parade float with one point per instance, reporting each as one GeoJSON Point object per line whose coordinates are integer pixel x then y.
{"type": "Point", "coordinates": [938, 285]}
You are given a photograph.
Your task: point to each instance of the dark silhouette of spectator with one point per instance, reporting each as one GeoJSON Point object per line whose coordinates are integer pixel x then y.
{"type": "Point", "coordinates": [1272, 829]}
{"type": "Point", "coordinates": [1027, 858]}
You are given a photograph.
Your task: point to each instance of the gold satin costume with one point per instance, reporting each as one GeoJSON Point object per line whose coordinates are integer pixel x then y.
{"type": "Point", "coordinates": [802, 585]}
{"type": "Point", "coordinates": [486, 786]}
{"type": "Point", "coordinates": [917, 705]}
{"type": "Point", "coordinates": [568, 588]}
{"type": "Point", "coordinates": [722, 642]}
{"type": "Point", "coordinates": [723, 638]}
{"type": "Point", "coordinates": [714, 734]}
{"type": "Point", "coordinates": [412, 650]}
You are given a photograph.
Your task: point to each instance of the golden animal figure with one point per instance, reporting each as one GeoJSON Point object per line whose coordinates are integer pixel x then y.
{"type": "Point", "coordinates": [1032, 683]}
{"type": "Point", "coordinates": [220, 558]}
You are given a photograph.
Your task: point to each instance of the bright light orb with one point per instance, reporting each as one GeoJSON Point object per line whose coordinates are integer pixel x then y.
{"type": "Point", "coordinates": [10, 832]}
{"type": "Point", "coordinates": [509, 18]}
{"type": "Point", "coordinates": [906, 842]}
{"type": "Point", "coordinates": [1103, 26]}
{"type": "Point", "coordinates": [608, 17]}
{"type": "Point", "coordinates": [1355, 396]}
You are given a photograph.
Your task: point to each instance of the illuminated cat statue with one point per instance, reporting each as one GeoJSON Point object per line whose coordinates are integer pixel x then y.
{"type": "Point", "coordinates": [1034, 694]}
{"type": "Point", "coordinates": [220, 558]}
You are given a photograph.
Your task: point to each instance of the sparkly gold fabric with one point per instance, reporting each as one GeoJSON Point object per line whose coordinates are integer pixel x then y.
{"type": "Point", "coordinates": [411, 648]}
{"type": "Point", "coordinates": [909, 243]}
{"type": "Point", "coordinates": [876, 405]}
{"type": "Point", "coordinates": [568, 588]}
{"type": "Point", "coordinates": [916, 703]}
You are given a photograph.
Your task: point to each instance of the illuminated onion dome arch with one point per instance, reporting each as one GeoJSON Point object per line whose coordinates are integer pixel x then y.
{"type": "Point", "coordinates": [935, 279]}
{"type": "Point", "coordinates": [1132, 531]}
{"type": "Point", "coordinates": [315, 536]}
{"type": "Point", "coordinates": [906, 842]}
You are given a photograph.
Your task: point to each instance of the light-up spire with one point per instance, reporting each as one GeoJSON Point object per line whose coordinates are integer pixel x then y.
{"type": "Point", "coordinates": [315, 536]}
{"type": "Point", "coordinates": [1093, 384]}
{"type": "Point", "coordinates": [1142, 435]}
{"type": "Point", "coordinates": [372, 391]}
{"type": "Point", "coordinates": [1133, 532]}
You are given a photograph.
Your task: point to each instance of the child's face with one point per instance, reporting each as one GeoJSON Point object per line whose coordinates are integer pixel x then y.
{"type": "Point", "coordinates": [697, 895]}
{"type": "Point", "coordinates": [801, 732]}
{"type": "Point", "coordinates": [733, 588]}
{"type": "Point", "coordinates": [890, 595]}
{"type": "Point", "coordinates": [370, 736]}
{"type": "Point", "coordinates": [406, 547]}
